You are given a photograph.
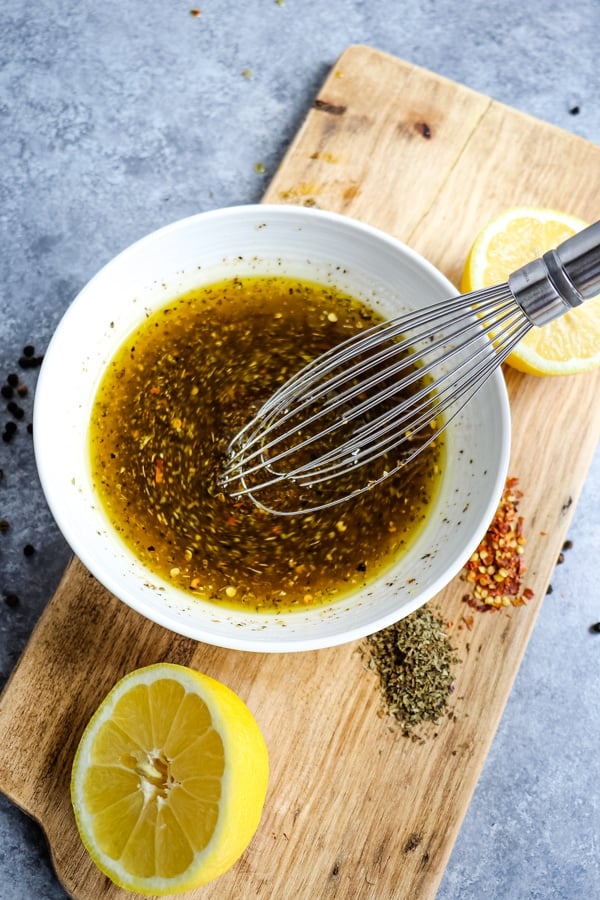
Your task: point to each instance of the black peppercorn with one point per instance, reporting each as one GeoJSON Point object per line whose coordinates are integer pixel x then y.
{"type": "Point", "coordinates": [30, 362]}
{"type": "Point", "coordinates": [595, 628]}
{"type": "Point", "coordinates": [15, 410]}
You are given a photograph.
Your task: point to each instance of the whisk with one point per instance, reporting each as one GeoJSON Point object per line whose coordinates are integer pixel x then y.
{"type": "Point", "coordinates": [387, 393]}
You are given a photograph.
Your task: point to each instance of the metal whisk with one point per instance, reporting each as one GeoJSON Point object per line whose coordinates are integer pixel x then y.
{"type": "Point", "coordinates": [387, 393]}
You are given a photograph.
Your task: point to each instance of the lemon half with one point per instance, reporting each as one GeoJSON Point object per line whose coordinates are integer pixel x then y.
{"type": "Point", "coordinates": [169, 780]}
{"type": "Point", "coordinates": [565, 346]}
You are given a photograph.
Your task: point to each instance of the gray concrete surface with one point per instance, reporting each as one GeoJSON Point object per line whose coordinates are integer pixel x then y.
{"type": "Point", "coordinates": [118, 117]}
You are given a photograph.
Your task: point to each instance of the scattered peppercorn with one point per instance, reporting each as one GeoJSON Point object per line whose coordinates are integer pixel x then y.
{"type": "Point", "coordinates": [30, 362]}
{"type": "Point", "coordinates": [496, 568]}
{"type": "Point", "coordinates": [15, 410]}
{"type": "Point", "coordinates": [561, 559]}
{"type": "Point", "coordinates": [595, 628]}
{"type": "Point", "coordinates": [11, 390]}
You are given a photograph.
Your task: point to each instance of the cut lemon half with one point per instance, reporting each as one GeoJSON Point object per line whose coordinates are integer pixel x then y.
{"type": "Point", "coordinates": [169, 780]}
{"type": "Point", "coordinates": [565, 346]}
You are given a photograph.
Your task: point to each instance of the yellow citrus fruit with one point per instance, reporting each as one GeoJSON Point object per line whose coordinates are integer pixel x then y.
{"type": "Point", "coordinates": [565, 346]}
{"type": "Point", "coordinates": [169, 780]}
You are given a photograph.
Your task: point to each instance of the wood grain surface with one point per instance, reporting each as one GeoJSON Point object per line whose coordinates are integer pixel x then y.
{"type": "Point", "coordinates": [354, 810]}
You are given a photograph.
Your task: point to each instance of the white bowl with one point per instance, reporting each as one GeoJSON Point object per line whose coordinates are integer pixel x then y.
{"type": "Point", "coordinates": [209, 247]}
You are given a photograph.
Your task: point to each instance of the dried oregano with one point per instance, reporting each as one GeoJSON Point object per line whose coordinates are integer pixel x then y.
{"type": "Point", "coordinates": [414, 661]}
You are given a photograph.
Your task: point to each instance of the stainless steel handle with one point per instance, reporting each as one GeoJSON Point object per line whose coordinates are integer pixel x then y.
{"type": "Point", "coordinates": [579, 260]}
{"type": "Point", "coordinates": [561, 279]}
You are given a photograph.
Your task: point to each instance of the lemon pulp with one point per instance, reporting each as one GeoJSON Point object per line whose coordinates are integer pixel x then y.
{"type": "Point", "coordinates": [169, 780]}
{"type": "Point", "coordinates": [567, 345]}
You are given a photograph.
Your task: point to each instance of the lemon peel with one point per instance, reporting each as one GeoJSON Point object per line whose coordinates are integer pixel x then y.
{"type": "Point", "coordinates": [169, 780]}
{"type": "Point", "coordinates": [567, 345]}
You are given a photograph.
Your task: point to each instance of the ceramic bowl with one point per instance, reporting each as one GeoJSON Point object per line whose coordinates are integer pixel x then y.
{"type": "Point", "coordinates": [205, 248]}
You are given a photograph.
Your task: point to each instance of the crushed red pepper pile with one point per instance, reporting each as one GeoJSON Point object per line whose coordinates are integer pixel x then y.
{"type": "Point", "coordinates": [496, 568]}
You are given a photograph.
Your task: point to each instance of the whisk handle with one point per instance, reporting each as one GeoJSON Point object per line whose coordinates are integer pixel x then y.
{"type": "Point", "coordinates": [579, 258]}
{"type": "Point", "coordinates": [561, 279]}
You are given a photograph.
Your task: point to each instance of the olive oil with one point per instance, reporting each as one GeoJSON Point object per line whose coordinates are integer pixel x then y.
{"type": "Point", "coordinates": [169, 403]}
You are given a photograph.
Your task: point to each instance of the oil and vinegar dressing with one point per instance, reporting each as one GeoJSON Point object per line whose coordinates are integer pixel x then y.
{"type": "Point", "coordinates": [169, 403]}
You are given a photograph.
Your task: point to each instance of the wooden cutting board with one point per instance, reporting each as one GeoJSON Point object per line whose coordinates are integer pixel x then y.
{"type": "Point", "coordinates": [353, 809]}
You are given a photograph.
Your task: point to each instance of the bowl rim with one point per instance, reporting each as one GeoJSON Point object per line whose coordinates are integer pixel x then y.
{"type": "Point", "coordinates": [238, 639]}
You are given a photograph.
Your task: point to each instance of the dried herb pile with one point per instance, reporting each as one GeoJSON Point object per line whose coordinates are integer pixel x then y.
{"type": "Point", "coordinates": [414, 661]}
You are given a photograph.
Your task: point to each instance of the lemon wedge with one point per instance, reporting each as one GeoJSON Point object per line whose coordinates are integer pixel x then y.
{"type": "Point", "coordinates": [567, 345]}
{"type": "Point", "coordinates": [169, 780]}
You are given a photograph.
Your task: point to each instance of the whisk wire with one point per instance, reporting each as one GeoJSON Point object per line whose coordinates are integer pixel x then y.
{"type": "Point", "coordinates": [299, 394]}
{"type": "Point", "coordinates": [391, 390]}
{"type": "Point", "coordinates": [385, 432]}
{"type": "Point", "coordinates": [379, 366]}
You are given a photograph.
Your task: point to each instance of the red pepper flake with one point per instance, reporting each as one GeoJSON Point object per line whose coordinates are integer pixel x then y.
{"type": "Point", "coordinates": [496, 568]}
{"type": "Point", "coordinates": [155, 390]}
{"type": "Point", "coordinates": [159, 470]}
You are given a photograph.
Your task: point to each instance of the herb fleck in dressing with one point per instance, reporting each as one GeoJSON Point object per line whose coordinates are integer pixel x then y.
{"type": "Point", "coordinates": [170, 401]}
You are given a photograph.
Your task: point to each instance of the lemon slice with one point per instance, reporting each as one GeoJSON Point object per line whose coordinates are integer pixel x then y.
{"type": "Point", "coordinates": [565, 346]}
{"type": "Point", "coordinates": [169, 780]}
